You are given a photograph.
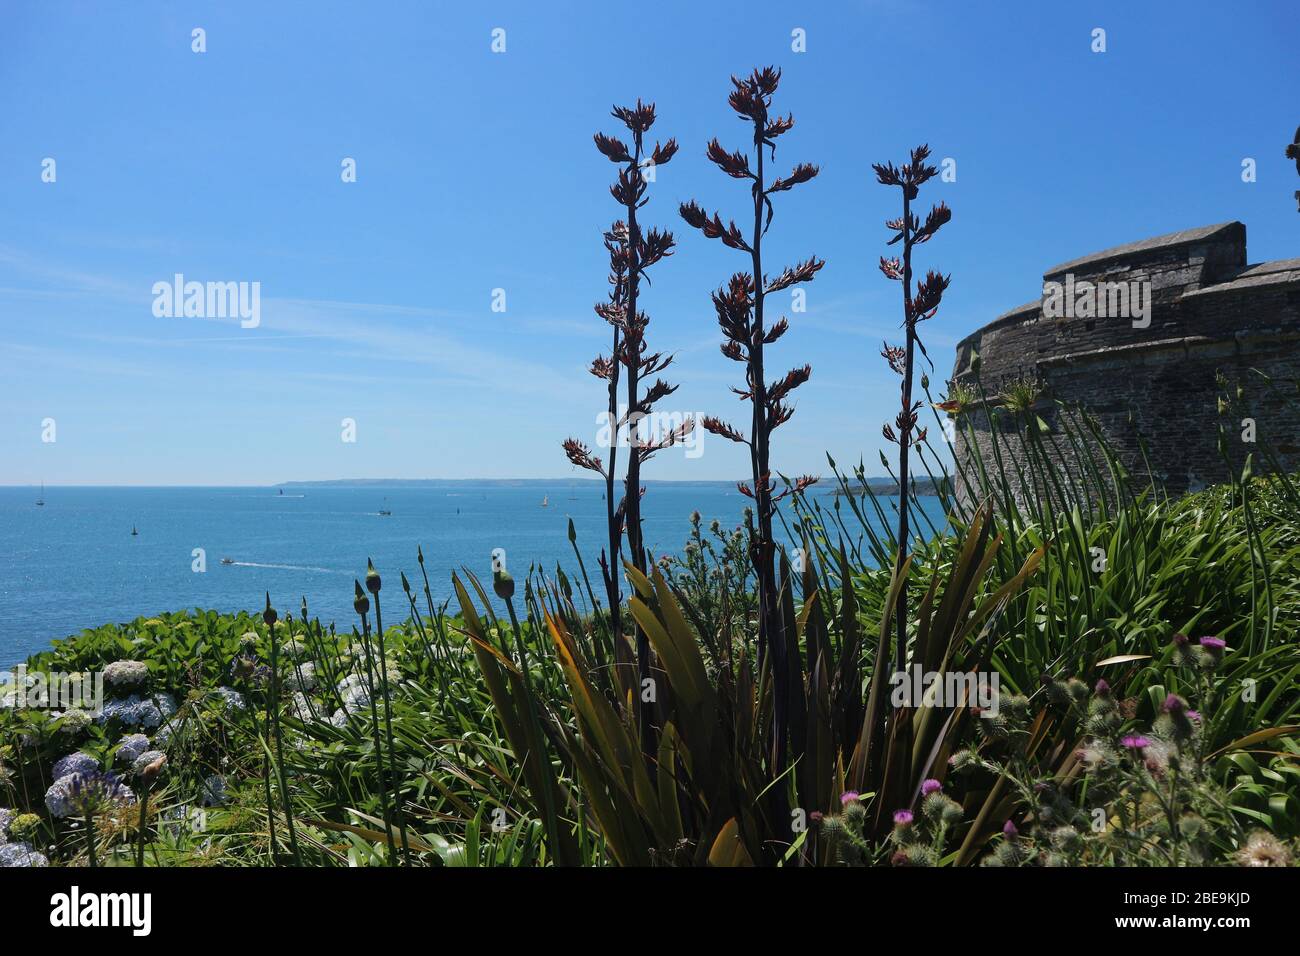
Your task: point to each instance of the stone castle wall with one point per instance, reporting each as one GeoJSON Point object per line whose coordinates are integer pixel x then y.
{"type": "Point", "coordinates": [1210, 313]}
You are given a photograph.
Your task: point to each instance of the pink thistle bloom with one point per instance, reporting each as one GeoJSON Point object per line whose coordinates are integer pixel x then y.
{"type": "Point", "coordinates": [848, 797]}
{"type": "Point", "coordinates": [1009, 829]}
{"type": "Point", "coordinates": [1136, 743]}
{"type": "Point", "coordinates": [903, 818]}
{"type": "Point", "coordinates": [930, 786]}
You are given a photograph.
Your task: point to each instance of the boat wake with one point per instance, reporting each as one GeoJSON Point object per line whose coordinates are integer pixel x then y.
{"type": "Point", "coordinates": [284, 567]}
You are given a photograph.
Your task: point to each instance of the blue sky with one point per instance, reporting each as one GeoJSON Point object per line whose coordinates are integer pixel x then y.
{"type": "Point", "coordinates": [476, 171]}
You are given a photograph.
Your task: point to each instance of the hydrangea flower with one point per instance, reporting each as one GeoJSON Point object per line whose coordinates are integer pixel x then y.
{"type": "Point", "coordinates": [301, 678]}
{"type": "Point", "coordinates": [124, 675]}
{"type": "Point", "coordinates": [214, 791]}
{"type": "Point", "coordinates": [165, 703]}
{"type": "Point", "coordinates": [301, 707]}
{"type": "Point", "coordinates": [231, 698]}
{"type": "Point", "coordinates": [58, 799]}
{"type": "Point", "coordinates": [132, 711]}
{"type": "Point", "coordinates": [73, 722]}
{"type": "Point", "coordinates": [74, 763]}
{"type": "Point", "coordinates": [21, 854]}
{"type": "Point", "coordinates": [132, 746]}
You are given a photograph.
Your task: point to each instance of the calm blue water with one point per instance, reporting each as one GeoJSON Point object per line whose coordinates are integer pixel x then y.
{"type": "Point", "coordinates": [74, 564]}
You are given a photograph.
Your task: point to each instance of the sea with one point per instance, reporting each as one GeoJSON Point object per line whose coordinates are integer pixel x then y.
{"type": "Point", "coordinates": [74, 563]}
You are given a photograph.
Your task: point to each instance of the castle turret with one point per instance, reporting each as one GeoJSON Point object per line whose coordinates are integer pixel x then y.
{"type": "Point", "coordinates": [1137, 335]}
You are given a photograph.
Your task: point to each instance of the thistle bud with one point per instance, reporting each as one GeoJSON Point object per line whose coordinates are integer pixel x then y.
{"type": "Point", "coordinates": [503, 584]}
{"type": "Point", "coordinates": [406, 585]}
{"type": "Point", "coordinates": [360, 602]}
{"type": "Point", "coordinates": [150, 773]}
{"type": "Point", "coordinates": [372, 578]}
{"type": "Point", "coordinates": [269, 615]}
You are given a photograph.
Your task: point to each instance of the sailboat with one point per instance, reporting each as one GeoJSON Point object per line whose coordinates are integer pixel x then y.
{"type": "Point", "coordinates": [385, 511]}
{"type": "Point", "coordinates": [134, 533]}
{"type": "Point", "coordinates": [40, 502]}
{"type": "Point", "coordinates": [546, 501]}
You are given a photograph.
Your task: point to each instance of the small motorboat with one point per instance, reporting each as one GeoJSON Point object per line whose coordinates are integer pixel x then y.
{"type": "Point", "coordinates": [227, 560]}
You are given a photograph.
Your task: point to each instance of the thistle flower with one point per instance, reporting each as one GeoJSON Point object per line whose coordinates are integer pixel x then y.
{"type": "Point", "coordinates": [850, 796]}
{"type": "Point", "coordinates": [1263, 849]}
{"type": "Point", "coordinates": [1010, 831]}
{"type": "Point", "coordinates": [1175, 706]}
{"type": "Point", "coordinates": [1213, 646]}
{"type": "Point", "coordinates": [1135, 742]}
{"type": "Point", "coordinates": [903, 818]}
{"type": "Point", "coordinates": [963, 760]}
{"type": "Point", "coordinates": [1102, 688]}
{"type": "Point", "coordinates": [930, 786]}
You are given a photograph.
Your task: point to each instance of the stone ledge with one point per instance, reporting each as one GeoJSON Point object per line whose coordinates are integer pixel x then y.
{"type": "Point", "coordinates": [1169, 240]}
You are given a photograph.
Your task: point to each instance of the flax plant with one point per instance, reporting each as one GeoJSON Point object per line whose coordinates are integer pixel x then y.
{"type": "Point", "coordinates": [741, 311]}
{"type": "Point", "coordinates": [273, 718]}
{"type": "Point", "coordinates": [631, 252]}
{"type": "Point", "coordinates": [911, 232]}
